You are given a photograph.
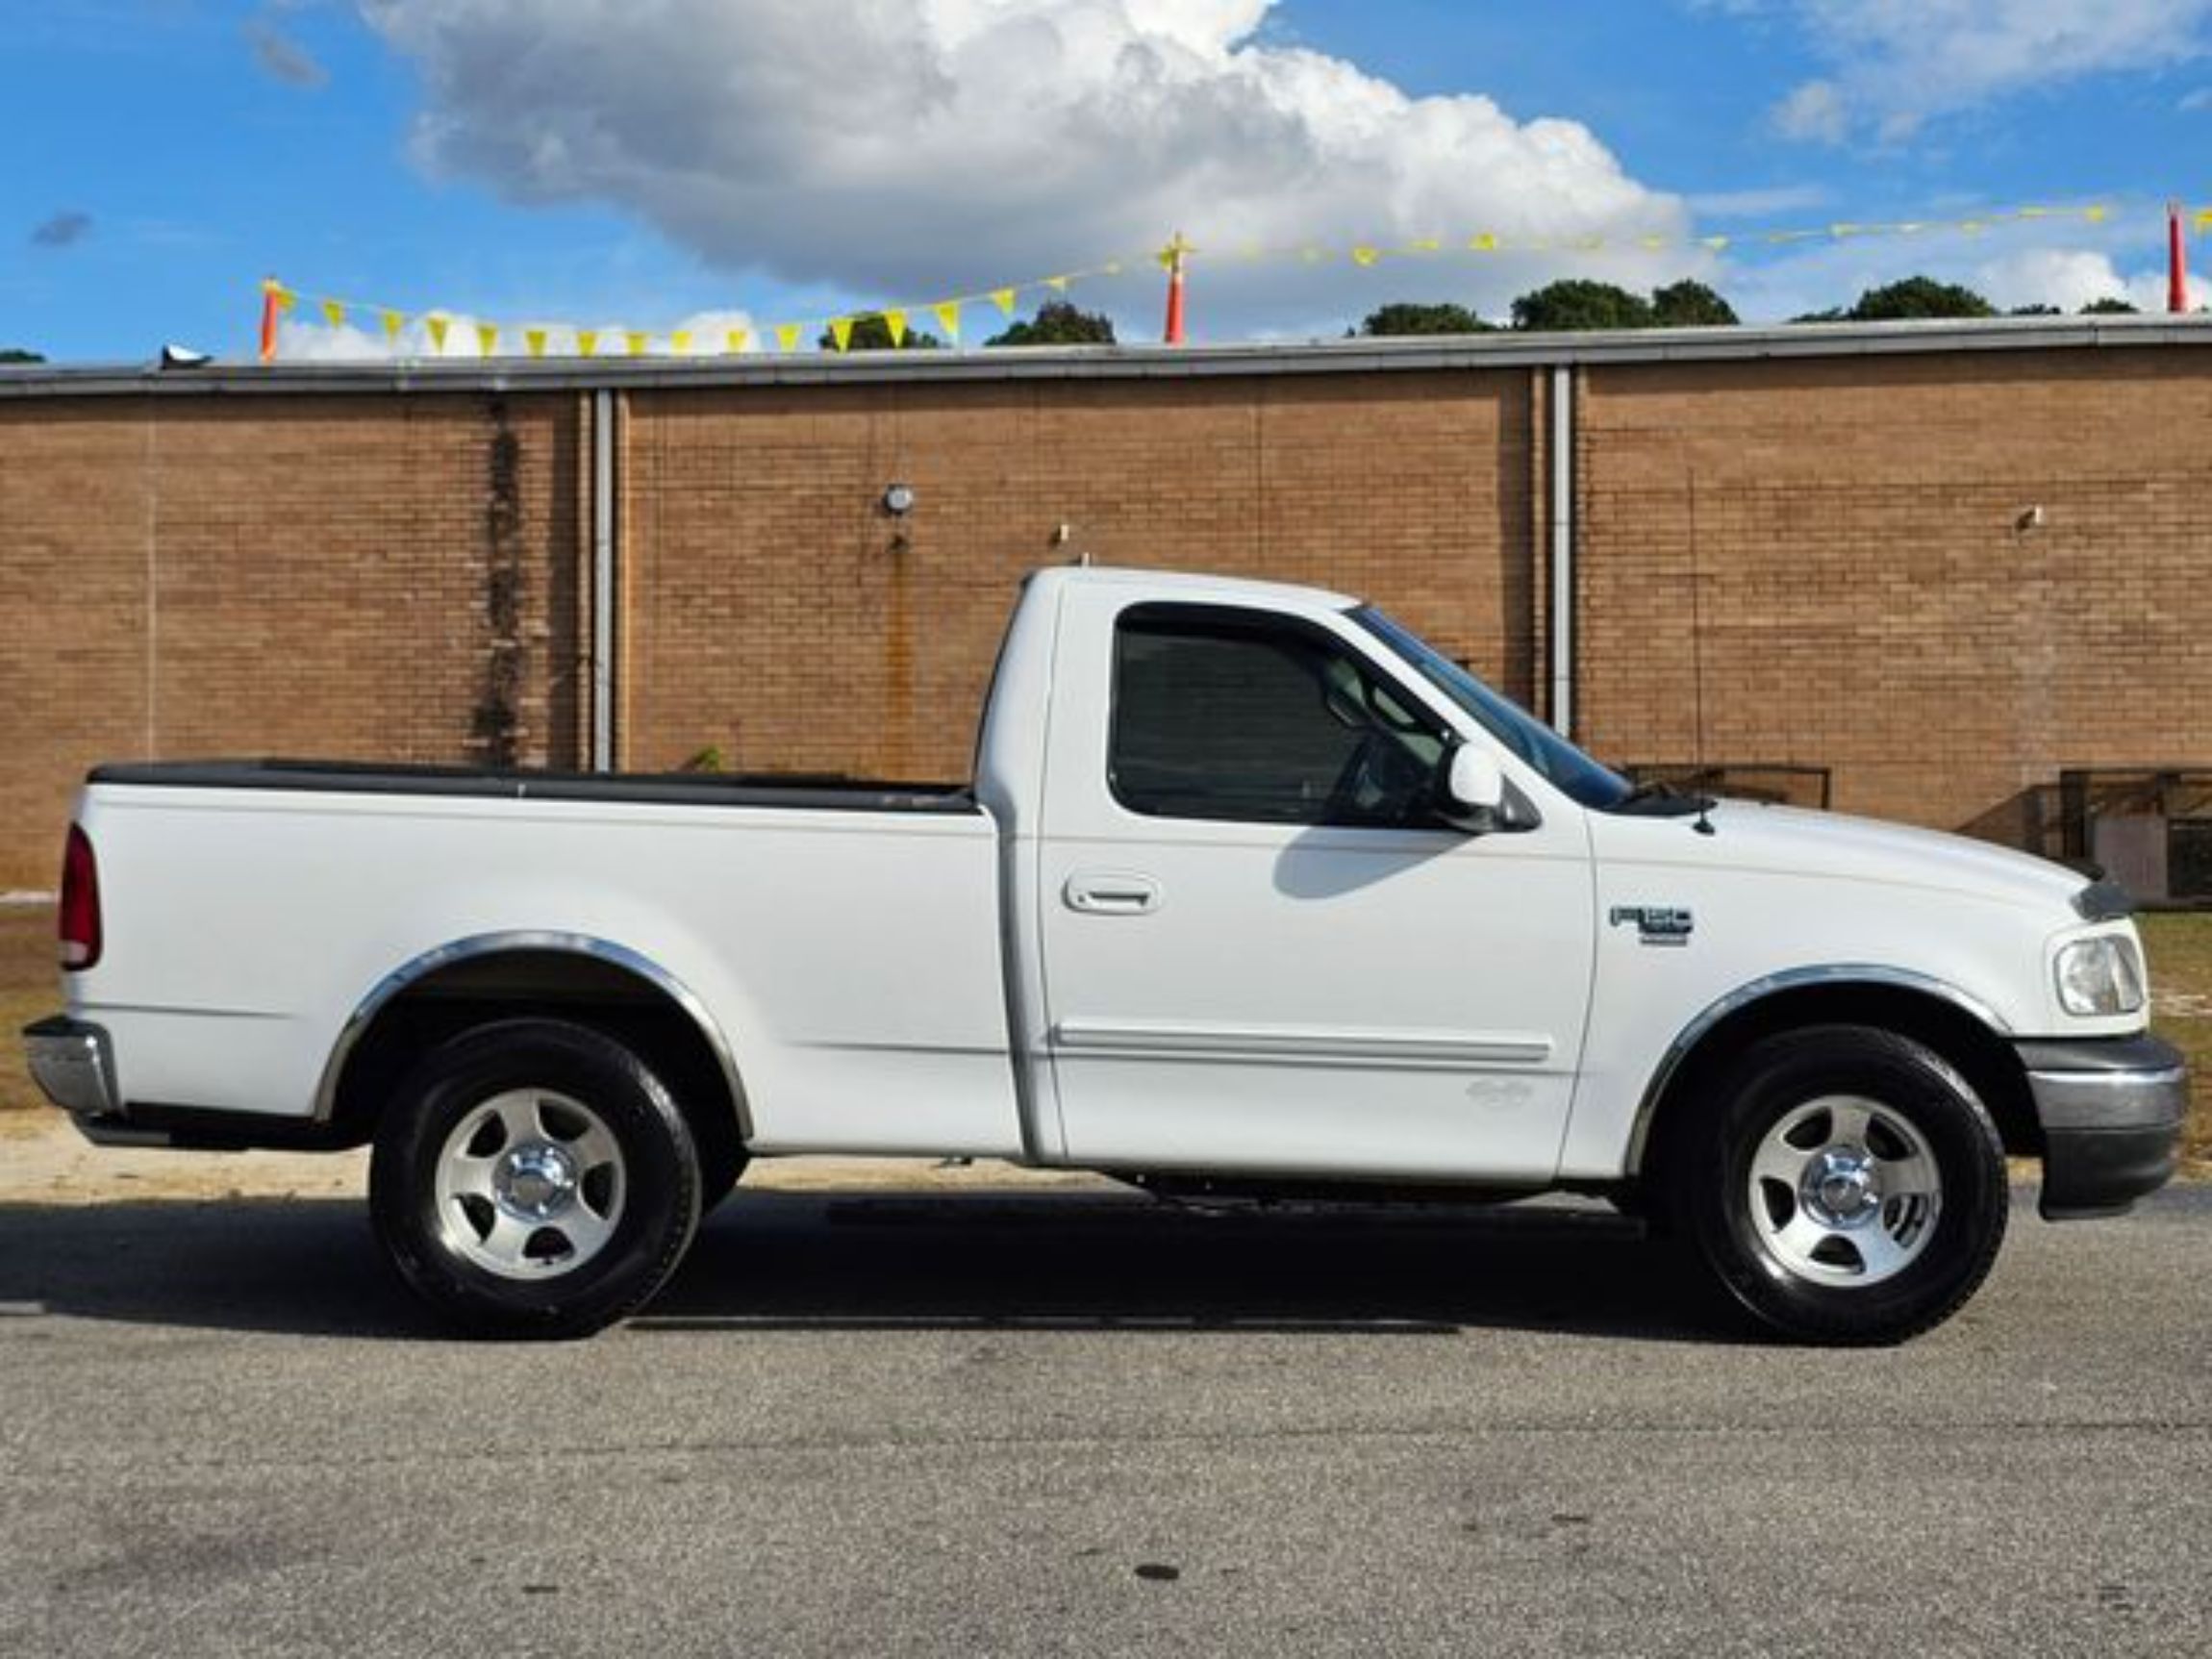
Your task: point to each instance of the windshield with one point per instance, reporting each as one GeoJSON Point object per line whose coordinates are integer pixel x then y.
{"type": "Point", "coordinates": [1574, 772]}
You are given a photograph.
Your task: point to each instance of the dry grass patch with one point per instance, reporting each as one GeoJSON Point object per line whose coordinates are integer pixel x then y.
{"type": "Point", "coordinates": [2180, 951]}
{"type": "Point", "coordinates": [30, 989]}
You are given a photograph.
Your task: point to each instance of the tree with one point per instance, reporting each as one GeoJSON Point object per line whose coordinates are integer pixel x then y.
{"type": "Point", "coordinates": [2110, 306]}
{"type": "Point", "coordinates": [1404, 317]}
{"type": "Point", "coordinates": [1578, 303]}
{"type": "Point", "coordinates": [1057, 322]}
{"type": "Point", "coordinates": [2035, 311]}
{"type": "Point", "coordinates": [1918, 297]}
{"type": "Point", "coordinates": [1689, 304]}
{"type": "Point", "coordinates": [17, 354]}
{"type": "Point", "coordinates": [873, 334]}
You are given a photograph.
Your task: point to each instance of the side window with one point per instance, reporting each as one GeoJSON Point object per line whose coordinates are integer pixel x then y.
{"type": "Point", "coordinates": [1241, 715]}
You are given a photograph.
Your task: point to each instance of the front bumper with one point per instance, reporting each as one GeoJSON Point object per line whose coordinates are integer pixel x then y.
{"type": "Point", "coordinates": [2111, 1110]}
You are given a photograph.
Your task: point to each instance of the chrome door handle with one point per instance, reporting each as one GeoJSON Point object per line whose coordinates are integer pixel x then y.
{"type": "Point", "coordinates": [1111, 892]}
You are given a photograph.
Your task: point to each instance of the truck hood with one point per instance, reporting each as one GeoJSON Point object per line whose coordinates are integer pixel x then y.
{"type": "Point", "coordinates": [1789, 840]}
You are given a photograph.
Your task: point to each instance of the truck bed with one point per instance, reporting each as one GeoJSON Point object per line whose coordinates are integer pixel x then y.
{"type": "Point", "coordinates": [793, 791]}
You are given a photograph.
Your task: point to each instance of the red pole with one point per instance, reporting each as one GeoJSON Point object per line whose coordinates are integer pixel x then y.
{"type": "Point", "coordinates": [1172, 257]}
{"type": "Point", "coordinates": [271, 291]}
{"type": "Point", "coordinates": [2176, 262]}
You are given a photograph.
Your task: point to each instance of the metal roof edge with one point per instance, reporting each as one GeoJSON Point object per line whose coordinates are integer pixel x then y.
{"type": "Point", "coordinates": [1504, 349]}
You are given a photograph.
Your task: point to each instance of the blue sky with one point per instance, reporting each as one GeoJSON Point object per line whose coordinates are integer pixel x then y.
{"type": "Point", "coordinates": [654, 163]}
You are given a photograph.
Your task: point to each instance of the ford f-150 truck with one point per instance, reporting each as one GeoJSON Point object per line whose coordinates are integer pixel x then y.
{"type": "Point", "coordinates": [1254, 893]}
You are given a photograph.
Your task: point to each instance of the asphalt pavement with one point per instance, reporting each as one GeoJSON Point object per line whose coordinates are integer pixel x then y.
{"type": "Point", "coordinates": [1075, 1423]}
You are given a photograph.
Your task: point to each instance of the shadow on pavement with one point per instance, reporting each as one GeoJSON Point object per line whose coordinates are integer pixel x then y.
{"type": "Point", "coordinates": [788, 1261]}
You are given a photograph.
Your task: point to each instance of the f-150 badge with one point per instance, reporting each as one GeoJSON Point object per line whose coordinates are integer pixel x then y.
{"type": "Point", "coordinates": [1656, 923]}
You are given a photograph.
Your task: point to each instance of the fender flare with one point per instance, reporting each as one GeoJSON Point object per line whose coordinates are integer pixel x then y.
{"type": "Point", "coordinates": [1832, 975]}
{"type": "Point", "coordinates": [482, 945]}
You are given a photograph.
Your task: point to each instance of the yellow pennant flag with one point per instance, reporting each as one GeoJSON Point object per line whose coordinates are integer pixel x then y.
{"type": "Point", "coordinates": [2203, 220]}
{"type": "Point", "coordinates": [334, 313]}
{"type": "Point", "coordinates": [488, 338]}
{"type": "Point", "coordinates": [1718, 245]}
{"type": "Point", "coordinates": [895, 322]}
{"type": "Point", "coordinates": [2098, 215]}
{"type": "Point", "coordinates": [1057, 283]}
{"type": "Point", "coordinates": [1363, 256]}
{"type": "Point", "coordinates": [1484, 243]}
{"type": "Point", "coordinates": [1653, 244]}
{"type": "Point", "coordinates": [394, 321]}
{"type": "Point", "coordinates": [734, 340]}
{"type": "Point", "coordinates": [1003, 299]}
{"type": "Point", "coordinates": [1840, 232]}
{"type": "Point", "coordinates": [1587, 244]}
{"type": "Point", "coordinates": [1426, 245]}
{"type": "Point", "coordinates": [680, 343]}
{"type": "Point", "coordinates": [788, 337]}
{"type": "Point", "coordinates": [286, 299]}
{"type": "Point", "coordinates": [841, 332]}
{"type": "Point", "coordinates": [948, 314]}
{"type": "Point", "coordinates": [636, 341]}
{"type": "Point", "coordinates": [535, 340]}
{"type": "Point", "coordinates": [436, 325]}
{"type": "Point", "coordinates": [587, 342]}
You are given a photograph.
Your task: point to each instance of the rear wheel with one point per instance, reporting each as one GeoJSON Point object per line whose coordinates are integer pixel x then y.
{"type": "Point", "coordinates": [1844, 1184]}
{"type": "Point", "coordinates": [534, 1178]}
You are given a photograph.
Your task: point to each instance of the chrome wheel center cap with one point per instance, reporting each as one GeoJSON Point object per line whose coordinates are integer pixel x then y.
{"type": "Point", "coordinates": [535, 1182]}
{"type": "Point", "coordinates": [1840, 1188]}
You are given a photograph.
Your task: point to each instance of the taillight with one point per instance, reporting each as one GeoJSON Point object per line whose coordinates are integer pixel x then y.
{"type": "Point", "coordinates": [80, 917]}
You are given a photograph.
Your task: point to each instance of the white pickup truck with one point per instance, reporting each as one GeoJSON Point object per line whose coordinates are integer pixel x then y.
{"type": "Point", "coordinates": [1254, 893]}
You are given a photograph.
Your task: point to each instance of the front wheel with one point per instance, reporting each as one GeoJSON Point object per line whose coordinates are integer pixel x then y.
{"type": "Point", "coordinates": [1844, 1184]}
{"type": "Point", "coordinates": [534, 1178]}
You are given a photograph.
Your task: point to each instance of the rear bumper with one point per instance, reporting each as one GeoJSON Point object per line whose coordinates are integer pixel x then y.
{"type": "Point", "coordinates": [74, 1064]}
{"type": "Point", "coordinates": [2111, 1111]}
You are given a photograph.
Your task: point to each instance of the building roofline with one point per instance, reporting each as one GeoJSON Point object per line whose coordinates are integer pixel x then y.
{"type": "Point", "coordinates": [1504, 349]}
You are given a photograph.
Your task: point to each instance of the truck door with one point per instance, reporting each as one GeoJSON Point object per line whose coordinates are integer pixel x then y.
{"type": "Point", "coordinates": [1262, 947]}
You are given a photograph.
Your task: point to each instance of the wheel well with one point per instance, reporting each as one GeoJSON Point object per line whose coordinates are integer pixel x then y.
{"type": "Point", "coordinates": [1984, 1059]}
{"type": "Point", "coordinates": [608, 996]}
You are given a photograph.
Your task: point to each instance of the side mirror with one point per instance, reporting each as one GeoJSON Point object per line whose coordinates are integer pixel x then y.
{"type": "Point", "coordinates": [1476, 783]}
{"type": "Point", "coordinates": [1477, 798]}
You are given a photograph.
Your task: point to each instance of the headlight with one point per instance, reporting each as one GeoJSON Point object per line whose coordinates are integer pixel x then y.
{"type": "Point", "coordinates": [2100, 976]}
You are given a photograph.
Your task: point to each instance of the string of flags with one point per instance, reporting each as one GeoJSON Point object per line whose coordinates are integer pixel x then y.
{"type": "Point", "coordinates": [441, 329]}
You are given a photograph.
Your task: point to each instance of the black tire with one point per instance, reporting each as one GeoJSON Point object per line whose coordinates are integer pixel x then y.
{"type": "Point", "coordinates": [1858, 1106]}
{"type": "Point", "coordinates": [607, 1247]}
{"type": "Point", "coordinates": [720, 1170]}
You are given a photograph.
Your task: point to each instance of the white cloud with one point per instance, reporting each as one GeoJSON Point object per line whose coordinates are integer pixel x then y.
{"type": "Point", "coordinates": [1812, 112]}
{"type": "Point", "coordinates": [1757, 204]}
{"type": "Point", "coordinates": [902, 149]}
{"type": "Point", "coordinates": [305, 338]}
{"type": "Point", "coordinates": [1897, 63]}
{"type": "Point", "coordinates": [2071, 278]}
{"type": "Point", "coordinates": [2068, 278]}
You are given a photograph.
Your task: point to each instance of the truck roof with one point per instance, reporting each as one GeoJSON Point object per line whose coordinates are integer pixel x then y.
{"type": "Point", "coordinates": [1184, 585]}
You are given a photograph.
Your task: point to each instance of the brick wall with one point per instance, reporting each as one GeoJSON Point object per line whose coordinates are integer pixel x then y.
{"type": "Point", "coordinates": [278, 575]}
{"type": "Point", "coordinates": [1827, 562]}
{"type": "Point", "coordinates": [777, 615]}
{"type": "Point", "coordinates": [1813, 560]}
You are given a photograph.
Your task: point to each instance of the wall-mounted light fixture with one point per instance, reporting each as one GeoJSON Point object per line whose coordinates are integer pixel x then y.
{"type": "Point", "coordinates": [898, 499]}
